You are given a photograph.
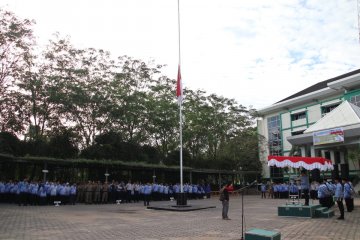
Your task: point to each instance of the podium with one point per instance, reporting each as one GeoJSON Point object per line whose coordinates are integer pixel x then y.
{"type": "Point", "coordinates": [181, 199]}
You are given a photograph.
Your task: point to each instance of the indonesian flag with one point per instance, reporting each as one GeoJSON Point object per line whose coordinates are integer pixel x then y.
{"type": "Point", "coordinates": [179, 92]}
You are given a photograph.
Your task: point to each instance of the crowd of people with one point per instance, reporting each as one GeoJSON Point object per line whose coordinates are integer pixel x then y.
{"type": "Point", "coordinates": [44, 193]}
{"type": "Point", "coordinates": [328, 192]}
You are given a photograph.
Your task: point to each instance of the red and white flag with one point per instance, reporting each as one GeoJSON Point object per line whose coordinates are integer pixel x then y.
{"type": "Point", "coordinates": [179, 92]}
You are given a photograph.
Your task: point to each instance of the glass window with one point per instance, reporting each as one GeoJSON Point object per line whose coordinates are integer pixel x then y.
{"type": "Point", "coordinates": [297, 116]}
{"type": "Point", "coordinates": [355, 100]}
{"type": "Point", "coordinates": [274, 136]}
{"type": "Point", "coordinates": [327, 109]}
{"type": "Point", "coordinates": [297, 133]}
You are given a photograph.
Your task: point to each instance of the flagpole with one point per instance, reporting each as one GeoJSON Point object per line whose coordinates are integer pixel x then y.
{"type": "Point", "coordinates": [180, 109]}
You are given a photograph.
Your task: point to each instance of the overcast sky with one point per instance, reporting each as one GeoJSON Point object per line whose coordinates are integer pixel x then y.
{"type": "Point", "coordinates": [256, 51]}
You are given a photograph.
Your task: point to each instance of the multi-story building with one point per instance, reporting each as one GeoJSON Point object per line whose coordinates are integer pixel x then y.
{"type": "Point", "coordinates": [322, 120]}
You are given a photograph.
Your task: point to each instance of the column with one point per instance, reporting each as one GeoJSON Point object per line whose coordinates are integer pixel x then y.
{"type": "Point", "coordinates": [335, 172]}
{"type": "Point", "coordinates": [332, 156]}
{"type": "Point", "coordinates": [303, 151]}
{"type": "Point", "coordinates": [312, 151]}
{"type": "Point", "coordinates": [323, 153]}
{"type": "Point", "coordinates": [342, 157]}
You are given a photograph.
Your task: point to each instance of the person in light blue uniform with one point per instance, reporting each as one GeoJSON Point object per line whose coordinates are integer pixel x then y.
{"type": "Point", "coordinates": [176, 190]}
{"type": "Point", "coordinates": [339, 194]}
{"type": "Point", "coordinates": [325, 194]}
{"type": "Point", "coordinates": [348, 195]}
{"type": "Point", "coordinates": [305, 186]}
{"type": "Point", "coordinates": [166, 192]}
{"type": "Point", "coordinates": [33, 191]}
{"type": "Point", "coordinates": [263, 190]}
{"type": "Point", "coordinates": [73, 194]}
{"type": "Point", "coordinates": [147, 193]}
{"type": "Point", "coordinates": [208, 190]}
{"type": "Point", "coordinates": [194, 191]}
{"type": "Point", "coordinates": [276, 191]}
{"type": "Point", "coordinates": [2, 191]}
{"type": "Point", "coordinates": [23, 189]}
{"type": "Point", "coordinates": [42, 195]}
{"type": "Point", "coordinates": [155, 193]}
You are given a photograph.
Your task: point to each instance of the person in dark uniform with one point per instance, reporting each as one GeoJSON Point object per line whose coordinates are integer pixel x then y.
{"type": "Point", "coordinates": [225, 202]}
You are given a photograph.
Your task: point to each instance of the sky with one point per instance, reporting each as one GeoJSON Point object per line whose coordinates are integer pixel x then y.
{"type": "Point", "coordinates": [255, 51]}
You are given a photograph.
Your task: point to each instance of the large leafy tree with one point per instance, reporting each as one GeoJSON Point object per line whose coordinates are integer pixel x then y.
{"type": "Point", "coordinates": [16, 44]}
{"type": "Point", "coordinates": [79, 81]}
{"type": "Point", "coordinates": [130, 95]}
{"type": "Point", "coordinates": [113, 109]}
{"type": "Point", "coordinates": [162, 122]}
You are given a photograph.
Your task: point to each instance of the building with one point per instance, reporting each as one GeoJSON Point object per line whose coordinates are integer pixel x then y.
{"type": "Point", "coordinates": [322, 120]}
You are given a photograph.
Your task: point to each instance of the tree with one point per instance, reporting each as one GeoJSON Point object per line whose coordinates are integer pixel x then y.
{"type": "Point", "coordinates": [62, 144]}
{"type": "Point", "coordinates": [129, 92]}
{"type": "Point", "coordinates": [242, 151]}
{"type": "Point", "coordinates": [16, 43]}
{"type": "Point", "coordinates": [162, 120]}
{"type": "Point", "coordinates": [9, 143]}
{"type": "Point", "coordinates": [79, 81]}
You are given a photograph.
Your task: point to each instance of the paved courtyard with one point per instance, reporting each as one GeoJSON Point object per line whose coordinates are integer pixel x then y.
{"type": "Point", "coordinates": [133, 221]}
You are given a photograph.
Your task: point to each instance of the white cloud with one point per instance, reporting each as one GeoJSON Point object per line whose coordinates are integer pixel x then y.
{"type": "Point", "coordinates": [256, 51]}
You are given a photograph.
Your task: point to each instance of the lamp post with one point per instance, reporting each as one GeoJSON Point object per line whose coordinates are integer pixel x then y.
{"type": "Point", "coordinates": [106, 175]}
{"type": "Point", "coordinates": [154, 176]}
{"type": "Point", "coordinates": [45, 171]}
{"type": "Point", "coordinates": [241, 176]}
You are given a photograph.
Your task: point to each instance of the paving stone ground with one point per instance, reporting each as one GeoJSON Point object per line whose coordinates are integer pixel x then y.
{"type": "Point", "coordinates": [134, 221]}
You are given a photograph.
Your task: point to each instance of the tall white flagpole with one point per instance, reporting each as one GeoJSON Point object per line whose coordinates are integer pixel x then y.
{"type": "Point", "coordinates": [180, 107]}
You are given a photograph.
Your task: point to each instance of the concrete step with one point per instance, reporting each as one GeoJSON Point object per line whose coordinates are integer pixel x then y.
{"type": "Point", "coordinates": [319, 211]}
{"type": "Point", "coordinates": [327, 214]}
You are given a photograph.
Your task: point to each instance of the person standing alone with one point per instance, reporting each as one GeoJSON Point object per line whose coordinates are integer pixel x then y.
{"type": "Point", "coordinates": [225, 202]}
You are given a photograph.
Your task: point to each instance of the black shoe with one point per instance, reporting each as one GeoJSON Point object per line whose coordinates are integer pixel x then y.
{"type": "Point", "coordinates": [340, 218]}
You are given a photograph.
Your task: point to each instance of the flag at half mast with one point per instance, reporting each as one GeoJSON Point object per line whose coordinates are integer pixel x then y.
{"type": "Point", "coordinates": [179, 91]}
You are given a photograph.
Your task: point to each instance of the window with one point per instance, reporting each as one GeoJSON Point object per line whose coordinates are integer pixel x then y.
{"type": "Point", "coordinates": [297, 133]}
{"type": "Point", "coordinates": [274, 142]}
{"type": "Point", "coordinates": [355, 100]}
{"type": "Point", "coordinates": [297, 116]}
{"type": "Point", "coordinates": [274, 136]}
{"type": "Point", "coordinates": [327, 109]}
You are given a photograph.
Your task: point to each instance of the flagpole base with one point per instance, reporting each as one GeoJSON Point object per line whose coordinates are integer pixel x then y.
{"type": "Point", "coordinates": [181, 199]}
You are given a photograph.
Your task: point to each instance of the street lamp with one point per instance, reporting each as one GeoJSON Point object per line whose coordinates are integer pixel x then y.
{"type": "Point", "coordinates": [241, 176]}
{"type": "Point", "coordinates": [106, 175]}
{"type": "Point", "coordinates": [45, 171]}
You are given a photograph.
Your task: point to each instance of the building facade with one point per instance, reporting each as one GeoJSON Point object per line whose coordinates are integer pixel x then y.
{"type": "Point", "coordinates": [322, 120]}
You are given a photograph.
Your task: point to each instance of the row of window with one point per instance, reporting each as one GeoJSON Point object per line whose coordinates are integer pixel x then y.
{"type": "Point", "coordinates": [324, 111]}
{"type": "Point", "coordinates": [274, 125]}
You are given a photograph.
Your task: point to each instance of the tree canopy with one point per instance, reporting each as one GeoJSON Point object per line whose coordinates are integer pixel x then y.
{"type": "Point", "coordinates": [65, 102]}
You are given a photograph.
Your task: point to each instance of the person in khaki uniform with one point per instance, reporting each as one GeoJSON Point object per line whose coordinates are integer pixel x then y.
{"type": "Point", "coordinates": [96, 192]}
{"type": "Point", "coordinates": [80, 193]}
{"type": "Point", "coordinates": [105, 190]}
{"type": "Point", "coordinates": [88, 193]}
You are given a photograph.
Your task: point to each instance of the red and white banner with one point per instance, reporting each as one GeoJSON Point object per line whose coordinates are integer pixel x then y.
{"type": "Point", "coordinates": [308, 163]}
